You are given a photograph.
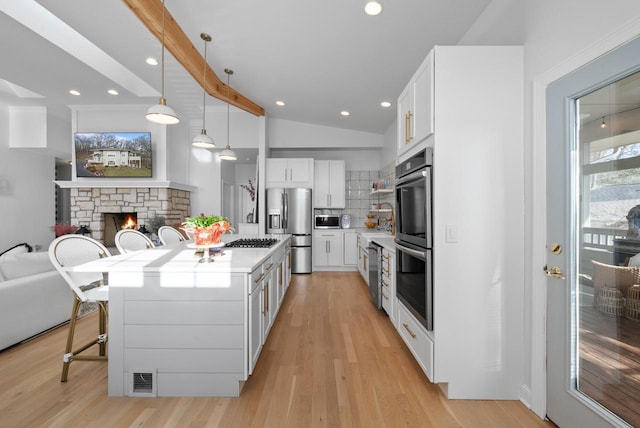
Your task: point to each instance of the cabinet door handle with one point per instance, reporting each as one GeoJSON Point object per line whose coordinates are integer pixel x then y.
{"type": "Point", "coordinates": [257, 280]}
{"type": "Point", "coordinates": [406, 327]}
{"type": "Point", "coordinates": [265, 306]}
{"type": "Point", "coordinates": [385, 297]}
{"type": "Point", "coordinates": [407, 127]}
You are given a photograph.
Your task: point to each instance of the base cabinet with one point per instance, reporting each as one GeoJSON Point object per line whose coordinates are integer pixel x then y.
{"type": "Point", "coordinates": [268, 284]}
{"type": "Point", "coordinates": [387, 277]}
{"type": "Point", "coordinates": [417, 339]}
{"type": "Point", "coordinates": [327, 248]}
{"type": "Point", "coordinates": [350, 249]}
{"type": "Point", "coordinates": [255, 326]}
{"type": "Point", "coordinates": [363, 259]}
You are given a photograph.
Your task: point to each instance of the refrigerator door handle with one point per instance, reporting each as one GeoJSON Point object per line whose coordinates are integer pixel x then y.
{"type": "Point", "coordinates": [286, 211]}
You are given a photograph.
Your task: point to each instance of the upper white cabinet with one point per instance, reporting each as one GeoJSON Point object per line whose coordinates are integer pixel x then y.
{"type": "Point", "coordinates": [289, 172]}
{"type": "Point", "coordinates": [328, 188]}
{"type": "Point", "coordinates": [415, 107]}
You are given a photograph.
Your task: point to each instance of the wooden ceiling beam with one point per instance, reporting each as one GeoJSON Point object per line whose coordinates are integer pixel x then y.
{"type": "Point", "coordinates": [149, 12]}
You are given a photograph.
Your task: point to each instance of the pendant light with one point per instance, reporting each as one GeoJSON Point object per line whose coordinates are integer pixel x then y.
{"type": "Point", "coordinates": [161, 113]}
{"type": "Point", "coordinates": [227, 153]}
{"type": "Point", "coordinates": [203, 140]}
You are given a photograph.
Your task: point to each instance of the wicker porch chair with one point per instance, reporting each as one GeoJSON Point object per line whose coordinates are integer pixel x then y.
{"type": "Point", "coordinates": [618, 277]}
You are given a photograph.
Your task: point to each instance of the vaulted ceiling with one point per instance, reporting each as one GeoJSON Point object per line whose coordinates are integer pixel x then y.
{"type": "Point", "coordinates": [317, 57]}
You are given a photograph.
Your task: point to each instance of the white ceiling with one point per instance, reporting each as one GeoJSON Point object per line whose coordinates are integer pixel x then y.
{"type": "Point", "coordinates": [319, 57]}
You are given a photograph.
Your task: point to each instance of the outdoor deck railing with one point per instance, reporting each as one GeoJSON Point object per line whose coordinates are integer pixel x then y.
{"type": "Point", "coordinates": [601, 238]}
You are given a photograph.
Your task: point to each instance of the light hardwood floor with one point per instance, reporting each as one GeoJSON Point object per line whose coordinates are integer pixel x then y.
{"type": "Point", "coordinates": [331, 360]}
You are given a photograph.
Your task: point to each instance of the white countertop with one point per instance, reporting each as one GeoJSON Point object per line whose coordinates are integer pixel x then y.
{"type": "Point", "coordinates": [181, 258]}
{"type": "Point", "coordinates": [387, 242]}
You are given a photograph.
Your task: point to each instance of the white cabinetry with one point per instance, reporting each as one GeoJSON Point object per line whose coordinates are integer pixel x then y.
{"type": "Point", "coordinates": [268, 284]}
{"type": "Point", "coordinates": [387, 272]}
{"type": "Point", "coordinates": [363, 258]}
{"type": "Point", "coordinates": [417, 339]}
{"type": "Point", "coordinates": [256, 308]}
{"type": "Point", "coordinates": [328, 184]}
{"type": "Point", "coordinates": [327, 248]}
{"type": "Point", "coordinates": [289, 172]}
{"type": "Point", "coordinates": [350, 248]}
{"type": "Point", "coordinates": [476, 343]}
{"type": "Point", "coordinates": [416, 107]}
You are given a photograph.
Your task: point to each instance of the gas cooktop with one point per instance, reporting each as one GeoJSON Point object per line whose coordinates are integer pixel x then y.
{"type": "Point", "coordinates": [251, 243]}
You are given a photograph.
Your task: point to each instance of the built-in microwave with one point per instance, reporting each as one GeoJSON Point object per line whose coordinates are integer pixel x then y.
{"type": "Point", "coordinates": [327, 221]}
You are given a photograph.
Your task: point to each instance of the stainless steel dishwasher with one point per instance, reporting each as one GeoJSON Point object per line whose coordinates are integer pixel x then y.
{"type": "Point", "coordinates": [375, 292]}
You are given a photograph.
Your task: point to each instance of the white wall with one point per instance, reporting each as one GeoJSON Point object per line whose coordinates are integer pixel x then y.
{"type": "Point", "coordinates": [27, 192]}
{"type": "Point", "coordinates": [390, 148]}
{"type": "Point", "coordinates": [204, 169]}
{"type": "Point", "coordinates": [552, 32]}
{"type": "Point", "coordinates": [284, 134]}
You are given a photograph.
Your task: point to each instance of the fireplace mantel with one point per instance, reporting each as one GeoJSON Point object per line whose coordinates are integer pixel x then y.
{"type": "Point", "coordinates": [123, 184]}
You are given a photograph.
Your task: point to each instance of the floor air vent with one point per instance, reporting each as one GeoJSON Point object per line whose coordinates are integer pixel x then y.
{"type": "Point", "coordinates": [143, 383]}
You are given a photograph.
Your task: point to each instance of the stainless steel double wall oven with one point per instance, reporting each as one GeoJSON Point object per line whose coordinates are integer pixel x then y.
{"type": "Point", "coordinates": [414, 278]}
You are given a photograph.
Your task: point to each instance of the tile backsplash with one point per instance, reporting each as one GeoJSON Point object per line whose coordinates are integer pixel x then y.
{"type": "Point", "coordinates": [358, 198]}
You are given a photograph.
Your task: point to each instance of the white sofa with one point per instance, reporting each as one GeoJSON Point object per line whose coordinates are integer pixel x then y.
{"type": "Point", "coordinates": [33, 296]}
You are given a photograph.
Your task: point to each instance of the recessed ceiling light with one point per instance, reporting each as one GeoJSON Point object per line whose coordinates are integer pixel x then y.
{"type": "Point", "coordinates": [112, 92]}
{"type": "Point", "coordinates": [280, 103]}
{"type": "Point", "coordinates": [74, 92]}
{"type": "Point", "coordinates": [385, 104]}
{"type": "Point", "coordinates": [344, 113]}
{"type": "Point", "coordinates": [373, 8]}
{"type": "Point", "coordinates": [151, 61]}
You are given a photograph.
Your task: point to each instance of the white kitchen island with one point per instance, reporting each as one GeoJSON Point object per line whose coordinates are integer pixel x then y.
{"type": "Point", "coordinates": [179, 327]}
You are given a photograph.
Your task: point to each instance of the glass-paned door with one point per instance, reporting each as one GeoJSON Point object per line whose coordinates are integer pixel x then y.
{"type": "Point", "coordinates": [594, 243]}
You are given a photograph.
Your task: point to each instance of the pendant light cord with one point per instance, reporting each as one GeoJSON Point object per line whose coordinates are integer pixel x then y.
{"type": "Point", "coordinates": [228, 92]}
{"type": "Point", "coordinates": [204, 81]}
{"type": "Point", "coordinates": [162, 73]}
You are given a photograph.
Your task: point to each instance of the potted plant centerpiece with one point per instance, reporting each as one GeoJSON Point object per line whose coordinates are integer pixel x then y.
{"type": "Point", "coordinates": [206, 230]}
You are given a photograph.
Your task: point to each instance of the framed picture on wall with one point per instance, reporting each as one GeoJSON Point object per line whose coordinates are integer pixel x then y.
{"type": "Point", "coordinates": [113, 154]}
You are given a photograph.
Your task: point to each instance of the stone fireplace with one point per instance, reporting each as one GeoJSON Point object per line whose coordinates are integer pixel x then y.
{"type": "Point", "coordinates": [114, 222]}
{"type": "Point", "coordinates": [90, 204]}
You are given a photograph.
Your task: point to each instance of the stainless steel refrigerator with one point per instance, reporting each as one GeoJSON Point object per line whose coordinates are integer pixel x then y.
{"type": "Point", "coordinates": [289, 211]}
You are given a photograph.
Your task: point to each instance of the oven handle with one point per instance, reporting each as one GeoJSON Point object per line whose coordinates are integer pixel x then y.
{"type": "Point", "coordinates": [414, 176]}
{"type": "Point", "coordinates": [420, 254]}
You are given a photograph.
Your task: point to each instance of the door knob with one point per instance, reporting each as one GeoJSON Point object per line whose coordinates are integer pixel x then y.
{"type": "Point", "coordinates": [555, 272]}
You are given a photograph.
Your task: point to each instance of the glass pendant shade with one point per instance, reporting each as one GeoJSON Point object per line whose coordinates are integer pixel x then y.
{"type": "Point", "coordinates": [202, 140]}
{"type": "Point", "coordinates": [228, 154]}
{"type": "Point", "coordinates": [161, 113]}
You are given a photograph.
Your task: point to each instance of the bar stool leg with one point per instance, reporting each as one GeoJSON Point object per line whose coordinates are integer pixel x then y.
{"type": "Point", "coordinates": [67, 350]}
{"type": "Point", "coordinates": [102, 328]}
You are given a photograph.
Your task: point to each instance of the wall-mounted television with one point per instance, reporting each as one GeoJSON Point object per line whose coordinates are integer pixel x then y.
{"type": "Point", "coordinates": [113, 154]}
